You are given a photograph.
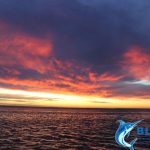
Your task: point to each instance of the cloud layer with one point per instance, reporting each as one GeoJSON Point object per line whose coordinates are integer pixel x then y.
{"type": "Point", "coordinates": [98, 48]}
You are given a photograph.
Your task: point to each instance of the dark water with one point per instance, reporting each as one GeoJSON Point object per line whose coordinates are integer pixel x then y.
{"type": "Point", "coordinates": [62, 129]}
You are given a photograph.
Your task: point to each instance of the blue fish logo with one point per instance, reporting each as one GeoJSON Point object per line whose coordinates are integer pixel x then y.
{"type": "Point", "coordinates": [123, 131]}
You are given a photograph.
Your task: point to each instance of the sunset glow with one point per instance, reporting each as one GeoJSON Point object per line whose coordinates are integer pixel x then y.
{"type": "Point", "coordinates": [28, 98]}
{"type": "Point", "coordinates": [73, 60]}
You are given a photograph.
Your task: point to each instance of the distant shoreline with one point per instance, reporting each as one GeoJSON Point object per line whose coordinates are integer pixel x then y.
{"type": "Point", "coordinates": [47, 107]}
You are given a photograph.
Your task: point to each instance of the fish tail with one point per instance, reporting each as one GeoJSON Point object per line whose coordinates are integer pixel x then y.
{"type": "Point", "coordinates": [132, 143]}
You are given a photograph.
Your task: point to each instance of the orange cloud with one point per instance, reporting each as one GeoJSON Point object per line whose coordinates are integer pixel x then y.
{"type": "Point", "coordinates": [137, 63]}
{"type": "Point", "coordinates": [20, 48]}
{"type": "Point", "coordinates": [30, 53]}
{"type": "Point", "coordinates": [104, 77]}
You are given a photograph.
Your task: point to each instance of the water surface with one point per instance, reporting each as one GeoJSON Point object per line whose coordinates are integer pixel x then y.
{"type": "Point", "coordinates": [24, 128]}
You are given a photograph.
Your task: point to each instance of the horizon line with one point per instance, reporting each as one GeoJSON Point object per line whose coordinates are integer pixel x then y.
{"type": "Point", "coordinates": [51, 107]}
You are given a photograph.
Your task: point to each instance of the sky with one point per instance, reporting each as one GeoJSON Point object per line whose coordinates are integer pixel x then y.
{"type": "Point", "coordinates": [75, 53]}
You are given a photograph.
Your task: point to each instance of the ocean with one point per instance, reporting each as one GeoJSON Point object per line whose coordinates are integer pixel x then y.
{"type": "Point", "coordinates": [26, 128]}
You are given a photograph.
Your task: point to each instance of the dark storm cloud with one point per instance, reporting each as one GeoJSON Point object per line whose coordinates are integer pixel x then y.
{"type": "Point", "coordinates": [97, 32]}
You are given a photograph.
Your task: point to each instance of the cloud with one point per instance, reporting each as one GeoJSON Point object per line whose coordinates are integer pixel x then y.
{"type": "Point", "coordinates": [23, 98]}
{"type": "Point", "coordinates": [28, 62]}
{"type": "Point", "coordinates": [137, 63]}
{"type": "Point", "coordinates": [79, 46]}
{"type": "Point", "coordinates": [96, 32]}
{"type": "Point", "coordinates": [18, 48]}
